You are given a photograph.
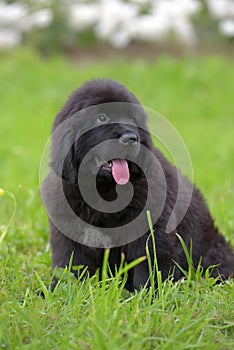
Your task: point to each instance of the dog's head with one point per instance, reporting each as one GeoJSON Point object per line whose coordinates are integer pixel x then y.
{"type": "Point", "coordinates": [99, 132]}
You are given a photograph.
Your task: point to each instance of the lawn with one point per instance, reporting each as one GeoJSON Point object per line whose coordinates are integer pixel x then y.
{"type": "Point", "coordinates": [196, 95]}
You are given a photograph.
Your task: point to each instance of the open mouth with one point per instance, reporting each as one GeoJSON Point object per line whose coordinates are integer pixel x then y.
{"type": "Point", "coordinates": [117, 167]}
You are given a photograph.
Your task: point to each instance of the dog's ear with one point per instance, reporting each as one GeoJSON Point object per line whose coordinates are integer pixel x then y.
{"type": "Point", "coordinates": [69, 171]}
{"type": "Point", "coordinates": [63, 154]}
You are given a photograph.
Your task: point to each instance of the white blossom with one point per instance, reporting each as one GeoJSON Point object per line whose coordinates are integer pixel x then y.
{"type": "Point", "coordinates": [166, 16]}
{"type": "Point", "coordinates": [227, 27]}
{"type": "Point", "coordinates": [83, 16]}
{"type": "Point", "coordinates": [177, 13]}
{"type": "Point", "coordinates": [221, 8]}
{"type": "Point", "coordinates": [117, 21]}
{"type": "Point", "coordinates": [9, 38]}
{"type": "Point", "coordinates": [150, 27]}
{"type": "Point", "coordinates": [10, 14]}
{"type": "Point", "coordinates": [113, 22]}
{"type": "Point", "coordinates": [142, 2]}
{"type": "Point", "coordinates": [42, 18]}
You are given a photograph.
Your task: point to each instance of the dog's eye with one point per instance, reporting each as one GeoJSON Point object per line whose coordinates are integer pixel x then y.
{"type": "Point", "coordinates": [102, 118]}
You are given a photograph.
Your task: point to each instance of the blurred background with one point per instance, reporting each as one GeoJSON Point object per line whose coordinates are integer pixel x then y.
{"type": "Point", "coordinates": [72, 25]}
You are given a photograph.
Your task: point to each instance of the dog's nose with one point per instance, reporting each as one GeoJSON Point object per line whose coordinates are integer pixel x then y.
{"type": "Point", "coordinates": [128, 139]}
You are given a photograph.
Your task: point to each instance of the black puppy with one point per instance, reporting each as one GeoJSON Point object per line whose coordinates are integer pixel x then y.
{"type": "Point", "coordinates": [98, 112]}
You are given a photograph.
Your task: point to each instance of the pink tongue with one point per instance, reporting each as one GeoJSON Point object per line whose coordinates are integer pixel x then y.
{"type": "Point", "coordinates": [120, 171]}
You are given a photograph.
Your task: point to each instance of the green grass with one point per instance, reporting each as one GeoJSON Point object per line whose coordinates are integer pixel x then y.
{"type": "Point", "coordinates": [196, 95]}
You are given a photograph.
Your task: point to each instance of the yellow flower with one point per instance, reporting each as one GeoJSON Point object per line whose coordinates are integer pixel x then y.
{"type": "Point", "coordinates": [1, 192]}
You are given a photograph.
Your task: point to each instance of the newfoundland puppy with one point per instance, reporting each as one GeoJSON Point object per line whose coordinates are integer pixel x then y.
{"type": "Point", "coordinates": [105, 174]}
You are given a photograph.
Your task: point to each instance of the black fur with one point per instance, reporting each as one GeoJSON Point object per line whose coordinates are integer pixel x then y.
{"type": "Point", "coordinates": [197, 225]}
